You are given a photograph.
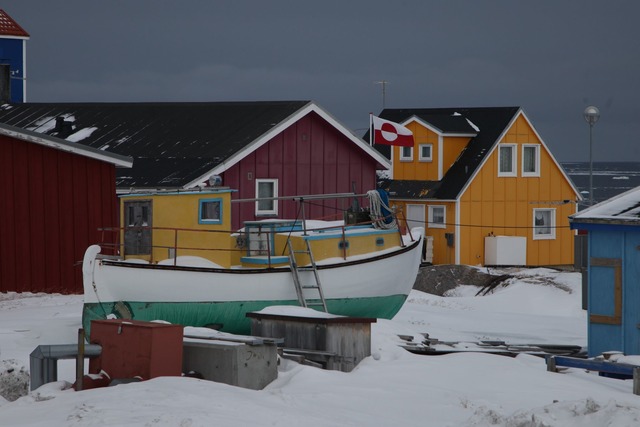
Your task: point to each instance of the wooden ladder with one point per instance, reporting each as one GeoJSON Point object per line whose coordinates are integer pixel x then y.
{"type": "Point", "coordinates": [305, 301]}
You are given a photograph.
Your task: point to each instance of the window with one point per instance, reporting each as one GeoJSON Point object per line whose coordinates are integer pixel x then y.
{"type": "Point", "coordinates": [210, 211]}
{"type": "Point", "coordinates": [507, 160]}
{"type": "Point", "coordinates": [426, 151]}
{"type": "Point", "coordinates": [267, 189]}
{"type": "Point", "coordinates": [406, 154]}
{"type": "Point", "coordinates": [531, 160]}
{"type": "Point", "coordinates": [544, 224]}
{"type": "Point", "coordinates": [437, 216]}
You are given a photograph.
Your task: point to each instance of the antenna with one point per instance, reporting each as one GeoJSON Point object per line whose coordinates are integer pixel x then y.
{"type": "Point", "coordinates": [384, 91]}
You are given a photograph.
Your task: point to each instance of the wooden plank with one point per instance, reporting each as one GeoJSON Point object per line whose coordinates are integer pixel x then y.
{"type": "Point", "coordinates": [52, 189]}
{"type": "Point", "coordinates": [7, 207]}
{"type": "Point", "coordinates": [66, 223]}
{"type": "Point", "coordinates": [37, 214]}
{"type": "Point", "coordinates": [593, 365]}
{"type": "Point", "coordinates": [21, 220]}
{"type": "Point", "coordinates": [616, 264]}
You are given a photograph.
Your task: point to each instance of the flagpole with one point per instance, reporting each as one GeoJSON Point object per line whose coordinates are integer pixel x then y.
{"type": "Point", "coordinates": [370, 129]}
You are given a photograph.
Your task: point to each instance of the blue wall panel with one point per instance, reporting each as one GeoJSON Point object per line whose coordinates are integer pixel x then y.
{"type": "Point", "coordinates": [605, 244]}
{"type": "Point", "coordinates": [11, 52]}
{"type": "Point", "coordinates": [603, 338]}
{"type": "Point", "coordinates": [623, 244]}
{"type": "Point", "coordinates": [631, 293]}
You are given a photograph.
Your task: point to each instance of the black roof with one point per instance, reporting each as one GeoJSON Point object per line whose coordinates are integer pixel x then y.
{"type": "Point", "coordinates": [486, 123]}
{"type": "Point", "coordinates": [172, 143]}
{"type": "Point", "coordinates": [409, 188]}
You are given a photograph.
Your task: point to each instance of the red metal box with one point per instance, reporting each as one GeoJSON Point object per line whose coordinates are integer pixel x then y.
{"type": "Point", "coordinates": [133, 348]}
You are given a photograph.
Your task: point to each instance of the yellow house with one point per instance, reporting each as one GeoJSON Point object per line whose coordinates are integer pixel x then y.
{"type": "Point", "coordinates": [486, 186]}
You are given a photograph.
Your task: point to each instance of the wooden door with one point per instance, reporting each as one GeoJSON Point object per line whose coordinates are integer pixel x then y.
{"type": "Point", "coordinates": [138, 222]}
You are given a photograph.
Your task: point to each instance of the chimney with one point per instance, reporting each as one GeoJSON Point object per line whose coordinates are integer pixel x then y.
{"type": "Point", "coordinates": [63, 128]}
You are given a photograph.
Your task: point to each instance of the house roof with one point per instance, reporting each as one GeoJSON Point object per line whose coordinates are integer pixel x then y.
{"type": "Point", "coordinates": [411, 189]}
{"type": "Point", "coordinates": [621, 209]}
{"type": "Point", "coordinates": [173, 144]}
{"type": "Point", "coordinates": [486, 123]}
{"type": "Point", "coordinates": [9, 27]}
{"type": "Point", "coordinates": [62, 145]}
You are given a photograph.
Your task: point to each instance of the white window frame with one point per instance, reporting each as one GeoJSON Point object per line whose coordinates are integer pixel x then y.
{"type": "Point", "coordinates": [544, 232]}
{"type": "Point", "coordinates": [431, 223]}
{"type": "Point", "coordinates": [536, 172]}
{"type": "Point", "coordinates": [425, 158]}
{"type": "Point", "coordinates": [404, 158]}
{"type": "Point", "coordinates": [415, 215]}
{"type": "Point", "coordinates": [274, 210]}
{"type": "Point", "coordinates": [514, 157]}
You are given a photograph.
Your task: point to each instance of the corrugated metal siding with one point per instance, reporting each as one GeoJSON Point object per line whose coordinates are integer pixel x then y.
{"type": "Point", "coordinates": [51, 205]}
{"type": "Point", "coordinates": [309, 157]}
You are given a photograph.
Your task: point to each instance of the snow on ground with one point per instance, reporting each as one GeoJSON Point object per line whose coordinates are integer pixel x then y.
{"type": "Point", "coordinates": [392, 387]}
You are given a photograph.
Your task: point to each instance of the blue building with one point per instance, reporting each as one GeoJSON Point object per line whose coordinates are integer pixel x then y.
{"type": "Point", "coordinates": [13, 60]}
{"type": "Point", "coordinates": [613, 236]}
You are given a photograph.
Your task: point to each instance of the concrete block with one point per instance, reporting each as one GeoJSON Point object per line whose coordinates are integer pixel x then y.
{"type": "Point", "coordinates": [238, 364]}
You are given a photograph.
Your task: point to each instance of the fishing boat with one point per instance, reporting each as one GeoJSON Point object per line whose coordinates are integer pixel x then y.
{"type": "Point", "coordinates": [190, 269]}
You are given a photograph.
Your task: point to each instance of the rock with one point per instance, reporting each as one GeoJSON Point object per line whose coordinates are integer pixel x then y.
{"type": "Point", "coordinates": [14, 380]}
{"type": "Point", "coordinates": [438, 279]}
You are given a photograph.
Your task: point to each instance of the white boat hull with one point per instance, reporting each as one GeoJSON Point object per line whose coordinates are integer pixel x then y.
{"type": "Point", "coordinates": [365, 287]}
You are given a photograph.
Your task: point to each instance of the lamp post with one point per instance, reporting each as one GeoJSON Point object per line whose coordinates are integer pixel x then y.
{"type": "Point", "coordinates": [591, 115]}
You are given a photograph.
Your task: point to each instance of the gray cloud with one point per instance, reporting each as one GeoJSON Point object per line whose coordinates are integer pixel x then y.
{"type": "Point", "coordinates": [551, 58]}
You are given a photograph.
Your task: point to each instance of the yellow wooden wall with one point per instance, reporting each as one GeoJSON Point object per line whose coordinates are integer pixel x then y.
{"type": "Point", "coordinates": [453, 146]}
{"type": "Point", "coordinates": [442, 254]}
{"type": "Point", "coordinates": [504, 205]}
{"type": "Point", "coordinates": [427, 170]}
{"type": "Point", "coordinates": [181, 211]}
{"type": "Point", "coordinates": [416, 169]}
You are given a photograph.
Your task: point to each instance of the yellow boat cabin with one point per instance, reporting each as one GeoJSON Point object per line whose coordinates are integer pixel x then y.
{"type": "Point", "coordinates": [193, 228]}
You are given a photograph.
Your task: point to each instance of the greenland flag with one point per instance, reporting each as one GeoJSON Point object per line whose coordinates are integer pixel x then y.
{"type": "Point", "coordinates": [390, 133]}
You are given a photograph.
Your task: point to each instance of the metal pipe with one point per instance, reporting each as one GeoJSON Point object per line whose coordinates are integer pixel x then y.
{"type": "Point", "coordinates": [80, 360]}
{"type": "Point", "coordinates": [590, 164]}
{"type": "Point", "coordinates": [309, 197]}
{"type": "Point", "coordinates": [43, 361]}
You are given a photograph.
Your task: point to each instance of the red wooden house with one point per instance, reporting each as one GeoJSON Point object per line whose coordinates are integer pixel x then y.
{"type": "Point", "coordinates": [279, 148]}
{"type": "Point", "coordinates": [54, 194]}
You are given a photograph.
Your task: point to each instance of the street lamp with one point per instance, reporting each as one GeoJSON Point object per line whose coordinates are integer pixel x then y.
{"type": "Point", "coordinates": [591, 115]}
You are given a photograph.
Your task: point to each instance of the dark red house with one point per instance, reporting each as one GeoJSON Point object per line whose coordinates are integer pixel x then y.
{"type": "Point", "coordinates": [54, 194]}
{"type": "Point", "coordinates": [266, 149]}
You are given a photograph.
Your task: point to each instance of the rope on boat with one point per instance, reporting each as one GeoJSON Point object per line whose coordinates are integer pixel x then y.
{"type": "Point", "coordinates": [376, 206]}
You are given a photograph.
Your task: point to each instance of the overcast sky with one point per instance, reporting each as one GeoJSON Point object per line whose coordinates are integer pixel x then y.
{"type": "Point", "coordinates": [552, 58]}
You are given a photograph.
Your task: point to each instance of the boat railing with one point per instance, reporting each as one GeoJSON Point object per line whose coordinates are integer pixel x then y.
{"type": "Point", "coordinates": [176, 241]}
{"type": "Point", "coordinates": [112, 242]}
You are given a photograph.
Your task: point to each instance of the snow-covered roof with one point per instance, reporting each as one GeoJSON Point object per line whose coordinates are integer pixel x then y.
{"type": "Point", "coordinates": [64, 145]}
{"type": "Point", "coordinates": [623, 208]}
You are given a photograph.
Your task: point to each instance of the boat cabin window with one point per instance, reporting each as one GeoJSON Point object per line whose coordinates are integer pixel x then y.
{"type": "Point", "coordinates": [266, 189]}
{"type": "Point", "coordinates": [210, 211]}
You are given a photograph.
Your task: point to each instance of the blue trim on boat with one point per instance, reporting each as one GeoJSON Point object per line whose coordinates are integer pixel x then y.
{"type": "Point", "coordinates": [263, 260]}
{"type": "Point", "coordinates": [375, 232]}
